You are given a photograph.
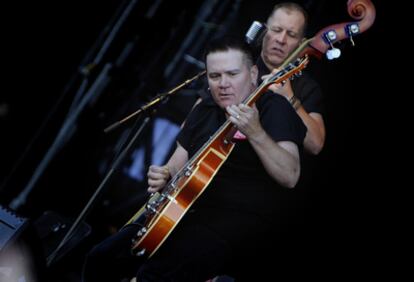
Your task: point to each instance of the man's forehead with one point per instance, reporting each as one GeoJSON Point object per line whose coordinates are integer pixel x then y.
{"type": "Point", "coordinates": [292, 19]}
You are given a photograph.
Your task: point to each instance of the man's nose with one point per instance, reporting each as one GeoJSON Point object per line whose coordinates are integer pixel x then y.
{"type": "Point", "coordinates": [224, 81]}
{"type": "Point", "coordinates": [282, 37]}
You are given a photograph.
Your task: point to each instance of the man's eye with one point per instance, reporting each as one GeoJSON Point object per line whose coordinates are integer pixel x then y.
{"type": "Point", "coordinates": [293, 34]}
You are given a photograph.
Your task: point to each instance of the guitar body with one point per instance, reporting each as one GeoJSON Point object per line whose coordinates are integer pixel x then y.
{"type": "Point", "coordinates": [164, 212]}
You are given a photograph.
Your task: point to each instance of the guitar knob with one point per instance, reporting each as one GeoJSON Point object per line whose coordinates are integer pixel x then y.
{"type": "Point", "coordinates": [142, 231]}
{"type": "Point", "coordinates": [140, 253]}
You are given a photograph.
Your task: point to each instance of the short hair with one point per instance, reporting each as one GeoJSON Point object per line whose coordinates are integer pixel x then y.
{"type": "Point", "coordinates": [230, 43]}
{"type": "Point", "coordinates": [292, 6]}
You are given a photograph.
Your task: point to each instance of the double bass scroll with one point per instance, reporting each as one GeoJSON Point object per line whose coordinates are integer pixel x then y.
{"type": "Point", "coordinates": [363, 11]}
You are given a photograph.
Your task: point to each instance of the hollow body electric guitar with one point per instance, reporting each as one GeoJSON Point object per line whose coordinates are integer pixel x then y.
{"type": "Point", "coordinates": [163, 211]}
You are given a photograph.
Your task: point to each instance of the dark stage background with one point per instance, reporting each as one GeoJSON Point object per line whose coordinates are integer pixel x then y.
{"type": "Point", "coordinates": [51, 49]}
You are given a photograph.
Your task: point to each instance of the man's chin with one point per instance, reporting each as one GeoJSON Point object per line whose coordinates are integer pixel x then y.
{"type": "Point", "coordinates": [276, 60]}
{"type": "Point", "coordinates": [225, 104]}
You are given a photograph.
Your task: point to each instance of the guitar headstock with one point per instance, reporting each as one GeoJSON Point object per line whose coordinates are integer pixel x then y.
{"type": "Point", "coordinates": [290, 71]}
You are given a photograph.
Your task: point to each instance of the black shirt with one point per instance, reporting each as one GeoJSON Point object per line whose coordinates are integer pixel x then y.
{"type": "Point", "coordinates": [242, 193]}
{"type": "Point", "coordinates": [305, 88]}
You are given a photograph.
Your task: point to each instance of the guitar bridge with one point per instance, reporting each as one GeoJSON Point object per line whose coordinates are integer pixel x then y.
{"type": "Point", "coordinates": [188, 171]}
{"type": "Point", "coordinates": [151, 208]}
{"type": "Point", "coordinates": [171, 199]}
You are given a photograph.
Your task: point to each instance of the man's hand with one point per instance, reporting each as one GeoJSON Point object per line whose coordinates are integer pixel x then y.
{"type": "Point", "coordinates": [246, 119]}
{"type": "Point", "coordinates": [284, 90]}
{"type": "Point", "coordinates": [157, 177]}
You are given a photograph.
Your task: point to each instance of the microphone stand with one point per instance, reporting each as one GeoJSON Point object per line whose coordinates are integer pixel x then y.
{"type": "Point", "coordinates": [159, 98]}
{"type": "Point", "coordinates": [156, 100]}
{"type": "Point", "coordinates": [81, 99]}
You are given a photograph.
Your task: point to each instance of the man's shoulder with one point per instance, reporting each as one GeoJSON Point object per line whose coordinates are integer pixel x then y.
{"type": "Point", "coordinates": [270, 100]}
{"type": "Point", "coordinates": [305, 80]}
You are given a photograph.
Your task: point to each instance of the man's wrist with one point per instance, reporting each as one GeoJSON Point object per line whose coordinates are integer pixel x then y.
{"type": "Point", "coordinates": [295, 102]}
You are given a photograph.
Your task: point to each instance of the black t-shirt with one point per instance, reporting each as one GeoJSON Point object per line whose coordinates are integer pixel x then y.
{"type": "Point", "coordinates": [309, 93]}
{"type": "Point", "coordinates": [242, 194]}
{"type": "Point", "coordinates": [305, 88]}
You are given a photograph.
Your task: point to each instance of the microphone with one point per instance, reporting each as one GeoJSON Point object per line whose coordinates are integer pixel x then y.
{"type": "Point", "coordinates": [254, 32]}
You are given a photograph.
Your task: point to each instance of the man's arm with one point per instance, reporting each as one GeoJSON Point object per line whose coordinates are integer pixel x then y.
{"type": "Point", "coordinates": [280, 159]}
{"type": "Point", "coordinates": [315, 134]}
{"type": "Point", "coordinates": [159, 175]}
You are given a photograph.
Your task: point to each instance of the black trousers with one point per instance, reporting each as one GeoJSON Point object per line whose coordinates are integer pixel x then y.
{"type": "Point", "coordinates": [192, 252]}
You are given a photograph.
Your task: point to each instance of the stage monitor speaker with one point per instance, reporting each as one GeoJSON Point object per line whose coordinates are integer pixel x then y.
{"type": "Point", "coordinates": [26, 244]}
{"type": "Point", "coordinates": [51, 229]}
{"type": "Point", "coordinates": [11, 226]}
{"type": "Point", "coordinates": [20, 256]}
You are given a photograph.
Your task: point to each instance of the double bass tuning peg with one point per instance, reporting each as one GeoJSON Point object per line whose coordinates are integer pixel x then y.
{"type": "Point", "coordinates": [363, 13]}
{"type": "Point", "coordinates": [330, 37]}
{"type": "Point", "coordinates": [333, 53]}
{"type": "Point", "coordinates": [352, 29]}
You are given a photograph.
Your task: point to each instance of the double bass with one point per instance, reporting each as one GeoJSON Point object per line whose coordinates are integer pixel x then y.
{"type": "Point", "coordinates": [163, 211]}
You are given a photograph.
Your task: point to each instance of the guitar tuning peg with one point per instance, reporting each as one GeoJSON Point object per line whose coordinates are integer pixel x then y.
{"type": "Point", "coordinates": [296, 75]}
